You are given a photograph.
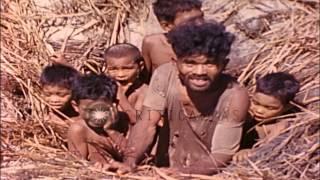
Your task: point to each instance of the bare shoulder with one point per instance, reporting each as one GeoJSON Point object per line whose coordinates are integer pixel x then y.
{"type": "Point", "coordinates": [153, 40]}
{"type": "Point", "coordinates": [237, 92]}
{"type": "Point", "coordinates": [78, 127]}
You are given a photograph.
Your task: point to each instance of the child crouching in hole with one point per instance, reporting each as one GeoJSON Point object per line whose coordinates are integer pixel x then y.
{"type": "Point", "coordinates": [125, 64]}
{"type": "Point", "coordinates": [56, 83]}
{"type": "Point", "coordinates": [93, 136]}
{"type": "Point", "coordinates": [271, 99]}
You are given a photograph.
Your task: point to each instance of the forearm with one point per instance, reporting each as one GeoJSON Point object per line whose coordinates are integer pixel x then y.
{"type": "Point", "coordinates": [129, 109]}
{"type": "Point", "coordinates": [140, 140]}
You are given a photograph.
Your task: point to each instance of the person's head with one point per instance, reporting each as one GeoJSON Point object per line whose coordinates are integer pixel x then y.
{"type": "Point", "coordinates": [56, 82]}
{"type": "Point", "coordinates": [171, 13]}
{"type": "Point", "coordinates": [201, 52]}
{"type": "Point", "coordinates": [272, 95]}
{"type": "Point", "coordinates": [94, 94]}
{"type": "Point", "coordinates": [124, 62]}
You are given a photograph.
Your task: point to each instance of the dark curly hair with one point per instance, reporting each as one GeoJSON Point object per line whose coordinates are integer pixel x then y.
{"type": "Point", "coordinates": [58, 75]}
{"type": "Point", "coordinates": [281, 85]}
{"type": "Point", "coordinates": [166, 10]}
{"type": "Point", "coordinates": [209, 39]}
{"type": "Point", "coordinates": [122, 50]}
{"type": "Point", "coordinates": [93, 86]}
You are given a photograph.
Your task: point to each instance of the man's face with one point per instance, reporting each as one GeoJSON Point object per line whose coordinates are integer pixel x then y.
{"type": "Point", "coordinates": [197, 72]}
{"type": "Point", "coordinates": [264, 106]}
{"type": "Point", "coordinates": [56, 96]}
{"type": "Point", "coordinates": [123, 69]}
{"type": "Point", "coordinates": [185, 16]}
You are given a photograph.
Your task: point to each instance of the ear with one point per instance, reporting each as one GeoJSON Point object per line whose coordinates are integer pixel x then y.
{"type": "Point", "coordinates": [75, 105]}
{"type": "Point", "coordinates": [174, 59]}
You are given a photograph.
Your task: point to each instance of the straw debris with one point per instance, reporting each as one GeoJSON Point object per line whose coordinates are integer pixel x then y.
{"type": "Point", "coordinates": [35, 33]}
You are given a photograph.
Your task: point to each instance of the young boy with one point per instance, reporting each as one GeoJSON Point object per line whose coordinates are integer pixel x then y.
{"type": "Point", "coordinates": [155, 48]}
{"type": "Point", "coordinates": [125, 64]}
{"type": "Point", "coordinates": [56, 82]}
{"type": "Point", "coordinates": [93, 135]}
{"type": "Point", "coordinates": [271, 98]}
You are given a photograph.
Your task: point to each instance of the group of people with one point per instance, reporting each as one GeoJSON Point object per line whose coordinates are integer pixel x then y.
{"type": "Point", "coordinates": [171, 102]}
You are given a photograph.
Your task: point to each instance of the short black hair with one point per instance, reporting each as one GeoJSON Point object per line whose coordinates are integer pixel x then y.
{"type": "Point", "coordinates": [93, 86]}
{"type": "Point", "coordinates": [122, 50]}
{"type": "Point", "coordinates": [166, 10]}
{"type": "Point", "coordinates": [59, 75]}
{"type": "Point", "coordinates": [281, 85]}
{"type": "Point", "coordinates": [209, 39]}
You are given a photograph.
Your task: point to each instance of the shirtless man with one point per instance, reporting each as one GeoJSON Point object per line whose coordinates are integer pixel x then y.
{"type": "Point", "coordinates": [155, 48]}
{"type": "Point", "coordinates": [204, 107]}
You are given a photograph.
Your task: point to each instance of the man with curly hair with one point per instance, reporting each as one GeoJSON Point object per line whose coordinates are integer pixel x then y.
{"type": "Point", "coordinates": [170, 13]}
{"type": "Point", "coordinates": [204, 108]}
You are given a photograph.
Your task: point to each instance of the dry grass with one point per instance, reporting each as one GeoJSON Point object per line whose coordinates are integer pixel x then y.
{"type": "Point", "coordinates": [33, 149]}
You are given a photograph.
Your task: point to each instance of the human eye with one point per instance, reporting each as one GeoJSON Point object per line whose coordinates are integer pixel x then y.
{"type": "Point", "coordinates": [128, 67]}
{"type": "Point", "coordinates": [271, 108]}
{"type": "Point", "coordinates": [188, 63]}
{"type": "Point", "coordinates": [111, 68]}
{"type": "Point", "coordinates": [46, 93]}
{"type": "Point", "coordinates": [254, 102]}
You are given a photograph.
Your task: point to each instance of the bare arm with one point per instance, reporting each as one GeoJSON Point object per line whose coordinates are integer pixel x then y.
{"type": "Point", "coordinates": [145, 53]}
{"type": "Point", "coordinates": [77, 142]}
{"type": "Point", "coordinates": [128, 108]}
{"type": "Point", "coordinates": [142, 135]}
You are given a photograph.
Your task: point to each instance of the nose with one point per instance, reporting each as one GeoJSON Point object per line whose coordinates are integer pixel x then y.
{"type": "Point", "coordinates": [259, 110]}
{"type": "Point", "coordinates": [200, 69]}
{"type": "Point", "coordinates": [120, 73]}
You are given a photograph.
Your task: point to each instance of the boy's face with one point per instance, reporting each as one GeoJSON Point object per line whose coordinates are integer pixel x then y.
{"type": "Point", "coordinates": [97, 113]}
{"type": "Point", "coordinates": [56, 96]}
{"type": "Point", "coordinates": [264, 106]}
{"type": "Point", "coordinates": [123, 69]}
{"type": "Point", "coordinates": [197, 72]}
{"type": "Point", "coordinates": [183, 17]}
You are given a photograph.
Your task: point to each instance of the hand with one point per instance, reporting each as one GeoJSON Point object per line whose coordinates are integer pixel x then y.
{"type": "Point", "coordinates": [241, 155]}
{"type": "Point", "coordinates": [58, 57]}
{"type": "Point", "coordinates": [170, 171]}
{"type": "Point", "coordinates": [122, 89]}
{"type": "Point", "coordinates": [101, 167]}
{"type": "Point", "coordinates": [119, 141]}
{"type": "Point", "coordinates": [122, 168]}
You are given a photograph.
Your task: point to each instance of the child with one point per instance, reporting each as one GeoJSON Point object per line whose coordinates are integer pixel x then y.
{"type": "Point", "coordinates": [125, 64]}
{"type": "Point", "coordinates": [155, 48]}
{"type": "Point", "coordinates": [93, 136]}
{"type": "Point", "coordinates": [56, 83]}
{"type": "Point", "coordinates": [271, 98]}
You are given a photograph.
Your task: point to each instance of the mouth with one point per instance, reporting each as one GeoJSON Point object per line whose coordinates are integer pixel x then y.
{"type": "Point", "coordinates": [56, 106]}
{"type": "Point", "coordinates": [122, 81]}
{"type": "Point", "coordinates": [199, 82]}
{"type": "Point", "coordinates": [258, 117]}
